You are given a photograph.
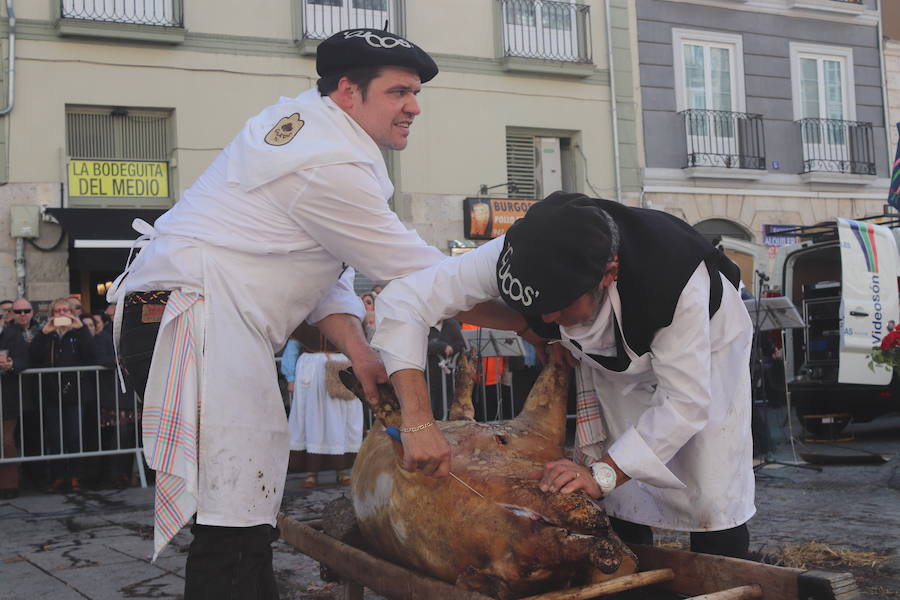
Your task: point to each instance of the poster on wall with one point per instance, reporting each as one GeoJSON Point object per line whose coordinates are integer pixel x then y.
{"type": "Point", "coordinates": [487, 218]}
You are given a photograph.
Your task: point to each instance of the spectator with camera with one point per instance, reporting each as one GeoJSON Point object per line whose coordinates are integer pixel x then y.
{"type": "Point", "coordinates": [63, 342]}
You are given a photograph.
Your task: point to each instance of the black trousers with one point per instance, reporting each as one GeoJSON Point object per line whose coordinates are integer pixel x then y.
{"type": "Point", "coordinates": [231, 563]}
{"type": "Point", "coordinates": [734, 542]}
{"type": "Point", "coordinates": [223, 563]}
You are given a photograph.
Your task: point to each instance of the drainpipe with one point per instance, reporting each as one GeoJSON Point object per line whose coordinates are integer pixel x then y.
{"type": "Point", "coordinates": [11, 94]}
{"type": "Point", "coordinates": [888, 126]}
{"type": "Point", "coordinates": [11, 75]}
{"type": "Point", "coordinates": [613, 102]}
{"type": "Point", "coordinates": [20, 267]}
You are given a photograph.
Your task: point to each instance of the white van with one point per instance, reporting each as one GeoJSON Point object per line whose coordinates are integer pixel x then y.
{"type": "Point", "coordinates": [842, 277]}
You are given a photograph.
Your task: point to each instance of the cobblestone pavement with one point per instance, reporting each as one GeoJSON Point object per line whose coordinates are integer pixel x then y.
{"type": "Point", "coordinates": [96, 545]}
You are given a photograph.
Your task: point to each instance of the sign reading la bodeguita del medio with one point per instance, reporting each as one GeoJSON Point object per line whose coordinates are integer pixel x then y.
{"type": "Point", "coordinates": [118, 179]}
{"type": "Point", "coordinates": [487, 218]}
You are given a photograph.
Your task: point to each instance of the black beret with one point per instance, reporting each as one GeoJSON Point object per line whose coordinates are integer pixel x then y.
{"type": "Point", "coordinates": [557, 252]}
{"type": "Point", "coordinates": [353, 48]}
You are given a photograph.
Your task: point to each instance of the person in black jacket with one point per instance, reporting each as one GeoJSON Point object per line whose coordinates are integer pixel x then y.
{"type": "Point", "coordinates": [63, 342]}
{"type": "Point", "coordinates": [444, 341]}
{"type": "Point", "coordinates": [13, 360]}
{"type": "Point", "coordinates": [119, 413]}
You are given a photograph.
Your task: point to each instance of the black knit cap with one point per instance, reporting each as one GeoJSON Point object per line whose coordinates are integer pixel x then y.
{"type": "Point", "coordinates": [353, 48]}
{"type": "Point", "coordinates": [557, 252]}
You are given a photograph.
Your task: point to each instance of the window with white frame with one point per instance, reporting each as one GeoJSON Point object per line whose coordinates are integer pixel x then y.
{"type": "Point", "coordinates": [323, 18]}
{"type": "Point", "coordinates": [823, 100]}
{"type": "Point", "coordinates": [709, 88]}
{"type": "Point", "coordinates": [546, 29]}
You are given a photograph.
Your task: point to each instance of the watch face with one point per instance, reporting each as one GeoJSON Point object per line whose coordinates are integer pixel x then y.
{"type": "Point", "coordinates": [605, 476]}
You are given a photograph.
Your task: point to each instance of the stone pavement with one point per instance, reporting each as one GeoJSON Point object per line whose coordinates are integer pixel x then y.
{"type": "Point", "coordinates": [97, 544]}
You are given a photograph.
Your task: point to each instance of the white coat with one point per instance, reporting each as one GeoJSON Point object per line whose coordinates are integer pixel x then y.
{"type": "Point", "coordinates": [677, 421]}
{"type": "Point", "coordinates": [265, 248]}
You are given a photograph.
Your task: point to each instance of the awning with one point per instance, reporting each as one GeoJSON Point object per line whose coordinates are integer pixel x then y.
{"type": "Point", "coordinates": [100, 238]}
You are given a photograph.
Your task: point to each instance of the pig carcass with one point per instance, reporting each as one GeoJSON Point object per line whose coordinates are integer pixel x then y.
{"type": "Point", "coordinates": [515, 540]}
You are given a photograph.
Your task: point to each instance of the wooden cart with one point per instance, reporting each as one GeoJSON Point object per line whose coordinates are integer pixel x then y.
{"type": "Point", "coordinates": [681, 574]}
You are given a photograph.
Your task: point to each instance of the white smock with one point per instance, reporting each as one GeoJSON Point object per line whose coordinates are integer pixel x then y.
{"type": "Point", "coordinates": [263, 237]}
{"type": "Point", "coordinates": [677, 421]}
{"type": "Point", "coordinates": [320, 423]}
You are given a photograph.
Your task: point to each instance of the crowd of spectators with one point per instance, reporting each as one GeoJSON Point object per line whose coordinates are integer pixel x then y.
{"type": "Point", "coordinates": [81, 411]}
{"type": "Point", "coordinates": [69, 411]}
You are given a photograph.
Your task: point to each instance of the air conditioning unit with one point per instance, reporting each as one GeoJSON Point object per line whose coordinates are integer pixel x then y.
{"type": "Point", "coordinates": [547, 166]}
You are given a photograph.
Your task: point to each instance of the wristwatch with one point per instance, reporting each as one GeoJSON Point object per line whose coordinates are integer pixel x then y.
{"type": "Point", "coordinates": [605, 476]}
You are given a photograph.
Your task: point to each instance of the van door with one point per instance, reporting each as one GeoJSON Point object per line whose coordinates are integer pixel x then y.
{"type": "Point", "coordinates": [868, 298]}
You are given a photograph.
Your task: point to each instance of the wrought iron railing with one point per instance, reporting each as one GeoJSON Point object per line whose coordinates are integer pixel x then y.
{"type": "Point", "coordinates": [546, 29]}
{"type": "Point", "coordinates": [160, 13]}
{"type": "Point", "coordinates": [323, 18]}
{"type": "Point", "coordinates": [837, 146]}
{"type": "Point", "coordinates": [721, 138]}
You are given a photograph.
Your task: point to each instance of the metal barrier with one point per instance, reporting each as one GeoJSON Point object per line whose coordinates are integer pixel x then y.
{"type": "Point", "coordinates": [66, 408]}
{"type": "Point", "coordinates": [73, 411]}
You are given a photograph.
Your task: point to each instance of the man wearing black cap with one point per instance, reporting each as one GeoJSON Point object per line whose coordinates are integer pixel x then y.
{"type": "Point", "coordinates": [651, 312]}
{"type": "Point", "coordinates": [258, 244]}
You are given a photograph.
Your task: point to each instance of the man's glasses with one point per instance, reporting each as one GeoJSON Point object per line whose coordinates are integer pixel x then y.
{"type": "Point", "coordinates": [21, 311]}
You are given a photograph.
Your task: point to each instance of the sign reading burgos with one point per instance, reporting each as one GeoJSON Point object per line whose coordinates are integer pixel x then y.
{"type": "Point", "coordinates": [487, 218]}
{"type": "Point", "coordinates": [118, 179]}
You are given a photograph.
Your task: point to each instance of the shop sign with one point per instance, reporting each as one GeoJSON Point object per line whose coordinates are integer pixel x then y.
{"type": "Point", "coordinates": [118, 179]}
{"type": "Point", "coordinates": [770, 237]}
{"type": "Point", "coordinates": [487, 218]}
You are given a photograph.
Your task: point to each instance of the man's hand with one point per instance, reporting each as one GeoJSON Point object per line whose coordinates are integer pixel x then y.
{"type": "Point", "coordinates": [345, 332]}
{"type": "Point", "coordinates": [560, 355]}
{"type": "Point", "coordinates": [424, 450]}
{"type": "Point", "coordinates": [567, 477]}
{"type": "Point", "coordinates": [548, 351]}
{"type": "Point", "coordinates": [369, 370]}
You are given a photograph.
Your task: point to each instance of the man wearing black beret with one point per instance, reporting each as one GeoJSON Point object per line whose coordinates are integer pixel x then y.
{"type": "Point", "coordinates": [651, 314]}
{"type": "Point", "coordinates": [258, 244]}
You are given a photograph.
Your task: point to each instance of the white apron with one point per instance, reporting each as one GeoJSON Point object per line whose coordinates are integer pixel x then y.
{"type": "Point", "coordinates": [708, 485]}
{"type": "Point", "coordinates": [243, 437]}
{"type": "Point", "coordinates": [319, 422]}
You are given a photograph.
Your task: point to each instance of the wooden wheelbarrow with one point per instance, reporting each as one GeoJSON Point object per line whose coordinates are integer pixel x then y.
{"type": "Point", "coordinates": [665, 573]}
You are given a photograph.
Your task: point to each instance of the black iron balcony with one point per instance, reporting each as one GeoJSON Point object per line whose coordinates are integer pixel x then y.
{"type": "Point", "coordinates": [725, 139]}
{"type": "Point", "coordinates": [546, 30]}
{"type": "Point", "coordinates": [837, 146]}
{"type": "Point", "coordinates": [160, 13]}
{"type": "Point", "coordinates": [323, 18]}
